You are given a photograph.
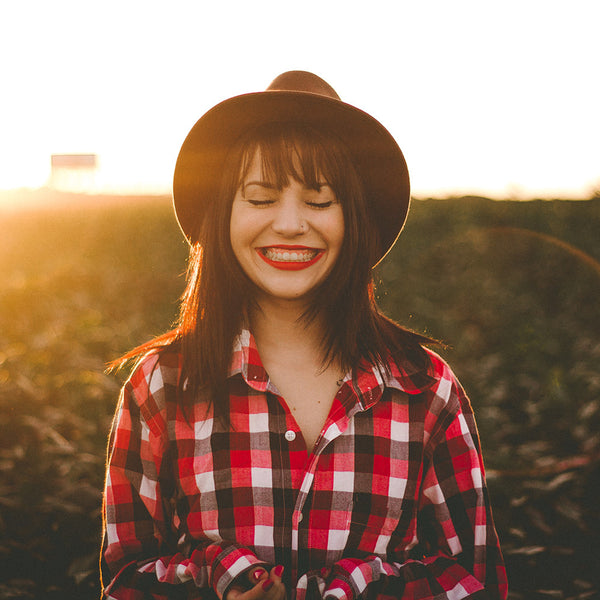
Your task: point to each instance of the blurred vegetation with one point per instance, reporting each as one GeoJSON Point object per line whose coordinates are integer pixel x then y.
{"type": "Point", "coordinates": [511, 287]}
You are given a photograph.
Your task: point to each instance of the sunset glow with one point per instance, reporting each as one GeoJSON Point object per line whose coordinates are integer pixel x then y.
{"type": "Point", "coordinates": [497, 99]}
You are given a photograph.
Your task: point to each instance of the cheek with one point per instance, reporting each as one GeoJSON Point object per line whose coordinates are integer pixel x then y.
{"type": "Point", "coordinates": [243, 234]}
{"type": "Point", "coordinates": [236, 231]}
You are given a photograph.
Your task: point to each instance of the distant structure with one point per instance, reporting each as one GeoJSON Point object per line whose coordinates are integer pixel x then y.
{"type": "Point", "coordinates": [73, 172]}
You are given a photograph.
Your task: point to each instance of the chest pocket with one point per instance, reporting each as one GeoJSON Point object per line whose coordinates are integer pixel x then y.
{"type": "Point", "coordinates": [380, 524]}
{"type": "Point", "coordinates": [371, 524]}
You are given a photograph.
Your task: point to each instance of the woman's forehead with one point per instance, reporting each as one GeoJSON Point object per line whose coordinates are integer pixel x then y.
{"type": "Point", "coordinates": [276, 166]}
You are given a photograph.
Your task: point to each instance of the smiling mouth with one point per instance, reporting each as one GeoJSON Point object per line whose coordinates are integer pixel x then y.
{"type": "Point", "coordinates": [289, 255]}
{"type": "Point", "coordinates": [290, 258]}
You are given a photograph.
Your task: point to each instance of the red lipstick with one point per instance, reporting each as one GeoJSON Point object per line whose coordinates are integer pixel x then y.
{"type": "Point", "coordinates": [290, 265]}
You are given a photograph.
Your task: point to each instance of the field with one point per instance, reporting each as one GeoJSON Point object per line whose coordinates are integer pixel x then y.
{"type": "Point", "coordinates": [512, 288]}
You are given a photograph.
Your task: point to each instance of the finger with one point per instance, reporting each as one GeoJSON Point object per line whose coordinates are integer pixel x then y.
{"type": "Point", "coordinates": [257, 575]}
{"type": "Point", "coordinates": [259, 592]}
{"type": "Point", "coordinates": [276, 573]}
{"type": "Point", "coordinates": [273, 590]}
{"type": "Point", "coordinates": [234, 592]}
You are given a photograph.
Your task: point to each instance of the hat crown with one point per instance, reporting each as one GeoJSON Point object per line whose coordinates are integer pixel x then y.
{"type": "Point", "coordinates": [302, 81]}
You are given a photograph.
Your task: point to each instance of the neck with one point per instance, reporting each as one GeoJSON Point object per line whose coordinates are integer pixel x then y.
{"type": "Point", "coordinates": [277, 327]}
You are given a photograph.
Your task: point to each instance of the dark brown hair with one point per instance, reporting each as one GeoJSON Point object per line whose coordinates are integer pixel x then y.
{"type": "Point", "coordinates": [218, 293]}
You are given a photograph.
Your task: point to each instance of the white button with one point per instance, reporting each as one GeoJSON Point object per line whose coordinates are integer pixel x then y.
{"type": "Point", "coordinates": [290, 435]}
{"type": "Point", "coordinates": [300, 517]}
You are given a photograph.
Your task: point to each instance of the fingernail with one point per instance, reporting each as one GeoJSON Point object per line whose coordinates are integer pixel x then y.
{"type": "Point", "coordinates": [278, 570]}
{"type": "Point", "coordinates": [267, 585]}
{"type": "Point", "coordinates": [258, 574]}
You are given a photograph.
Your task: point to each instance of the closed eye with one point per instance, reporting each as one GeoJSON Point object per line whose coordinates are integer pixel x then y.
{"type": "Point", "coordinates": [320, 204]}
{"type": "Point", "coordinates": [259, 193]}
{"type": "Point", "coordinates": [259, 202]}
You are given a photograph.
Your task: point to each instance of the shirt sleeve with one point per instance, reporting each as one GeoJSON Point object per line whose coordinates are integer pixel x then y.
{"type": "Point", "coordinates": [140, 555]}
{"type": "Point", "coordinates": [458, 554]}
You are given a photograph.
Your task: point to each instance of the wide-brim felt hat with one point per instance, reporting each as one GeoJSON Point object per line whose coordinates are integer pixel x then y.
{"type": "Point", "coordinates": [294, 97]}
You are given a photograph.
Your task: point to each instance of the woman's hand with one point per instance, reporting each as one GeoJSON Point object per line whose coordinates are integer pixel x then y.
{"type": "Point", "coordinates": [265, 586]}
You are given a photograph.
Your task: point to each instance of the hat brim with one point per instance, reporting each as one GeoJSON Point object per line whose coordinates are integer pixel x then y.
{"type": "Point", "coordinates": [376, 156]}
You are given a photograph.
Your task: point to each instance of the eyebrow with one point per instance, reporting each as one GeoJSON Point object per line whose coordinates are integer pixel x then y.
{"type": "Point", "coordinates": [272, 186]}
{"type": "Point", "coordinates": [264, 184]}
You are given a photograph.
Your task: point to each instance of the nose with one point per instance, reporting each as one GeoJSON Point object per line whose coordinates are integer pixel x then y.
{"type": "Point", "coordinates": [289, 219]}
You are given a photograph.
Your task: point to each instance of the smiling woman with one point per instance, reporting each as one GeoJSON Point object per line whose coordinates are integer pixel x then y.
{"type": "Point", "coordinates": [287, 440]}
{"type": "Point", "coordinates": [280, 227]}
{"type": "Point", "coordinates": [273, 232]}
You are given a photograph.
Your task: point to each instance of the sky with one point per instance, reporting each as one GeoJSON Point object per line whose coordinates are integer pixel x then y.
{"type": "Point", "coordinates": [493, 98]}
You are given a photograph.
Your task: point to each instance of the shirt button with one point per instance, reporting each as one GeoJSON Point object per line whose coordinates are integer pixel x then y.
{"type": "Point", "coordinates": [290, 435]}
{"type": "Point", "coordinates": [300, 517]}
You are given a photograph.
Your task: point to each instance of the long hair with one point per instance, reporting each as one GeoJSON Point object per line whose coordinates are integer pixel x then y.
{"type": "Point", "coordinates": [218, 295]}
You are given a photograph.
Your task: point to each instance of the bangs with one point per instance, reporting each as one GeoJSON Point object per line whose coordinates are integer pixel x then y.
{"type": "Point", "coordinates": [296, 151]}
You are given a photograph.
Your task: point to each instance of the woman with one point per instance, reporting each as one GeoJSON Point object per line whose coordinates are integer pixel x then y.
{"type": "Point", "coordinates": [287, 440]}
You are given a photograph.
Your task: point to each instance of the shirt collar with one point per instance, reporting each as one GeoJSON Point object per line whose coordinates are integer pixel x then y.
{"type": "Point", "coordinates": [367, 380]}
{"type": "Point", "coordinates": [246, 361]}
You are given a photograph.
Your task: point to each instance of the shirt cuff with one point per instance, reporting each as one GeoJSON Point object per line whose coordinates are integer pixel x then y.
{"type": "Point", "coordinates": [339, 589]}
{"type": "Point", "coordinates": [231, 562]}
{"type": "Point", "coordinates": [348, 580]}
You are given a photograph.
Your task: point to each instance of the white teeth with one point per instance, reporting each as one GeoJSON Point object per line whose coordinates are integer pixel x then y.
{"type": "Point", "coordinates": [286, 256]}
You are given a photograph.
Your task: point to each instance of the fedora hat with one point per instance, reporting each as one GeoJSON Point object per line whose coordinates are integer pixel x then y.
{"type": "Point", "coordinates": [299, 97]}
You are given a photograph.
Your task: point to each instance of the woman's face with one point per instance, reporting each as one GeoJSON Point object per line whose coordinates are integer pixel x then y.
{"type": "Point", "coordinates": [286, 241]}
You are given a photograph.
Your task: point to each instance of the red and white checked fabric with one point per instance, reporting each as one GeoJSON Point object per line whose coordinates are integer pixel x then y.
{"type": "Point", "coordinates": [390, 503]}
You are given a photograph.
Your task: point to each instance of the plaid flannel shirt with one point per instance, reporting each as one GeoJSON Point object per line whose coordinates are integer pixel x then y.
{"type": "Point", "coordinates": [390, 503]}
